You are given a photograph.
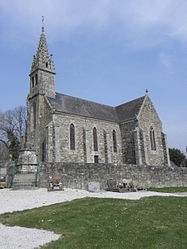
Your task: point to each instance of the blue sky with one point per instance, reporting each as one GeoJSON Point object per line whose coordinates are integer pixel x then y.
{"type": "Point", "coordinates": [108, 51]}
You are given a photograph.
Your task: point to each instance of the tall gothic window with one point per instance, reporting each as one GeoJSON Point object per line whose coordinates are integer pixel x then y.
{"type": "Point", "coordinates": [114, 141]}
{"type": "Point", "coordinates": [95, 139]}
{"type": "Point", "coordinates": [152, 139]}
{"type": "Point", "coordinates": [72, 137]}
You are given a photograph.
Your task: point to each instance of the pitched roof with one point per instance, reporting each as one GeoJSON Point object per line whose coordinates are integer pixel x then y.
{"type": "Point", "coordinates": [129, 110]}
{"type": "Point", "coordinates": [81, 107]}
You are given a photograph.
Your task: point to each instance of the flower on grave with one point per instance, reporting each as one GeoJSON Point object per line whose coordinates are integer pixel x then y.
{"type": "Point", "coordinates": [55, 180]}
{"type": "Point", "coordinates": [120, 185]}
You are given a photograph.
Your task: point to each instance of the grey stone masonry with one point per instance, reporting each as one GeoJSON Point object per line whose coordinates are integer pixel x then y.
{"type": "Point", "coordinates": [79, 175]}
{"type": "Point", "coordinates": [58, 140]}
{"type": "Point", "coordinates": [26, 170]}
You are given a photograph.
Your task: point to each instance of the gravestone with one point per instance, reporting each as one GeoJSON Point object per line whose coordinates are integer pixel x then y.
{"type": "Point", "coordinates": [111, 184]}
{"type": "Point", "coordinates": [93, 186]}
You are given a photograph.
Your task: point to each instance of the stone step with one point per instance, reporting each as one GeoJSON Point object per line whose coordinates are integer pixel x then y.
{"type": "Point", "coordinates": [24, 187]}
{"type": "Point", "coordinates": [24, 181]}
{"type": "Point", "coordinates": [25, 176]}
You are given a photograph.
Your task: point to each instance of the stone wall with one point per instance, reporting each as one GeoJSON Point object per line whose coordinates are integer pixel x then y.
{"type": "Point", "coordinates": [78, 175]}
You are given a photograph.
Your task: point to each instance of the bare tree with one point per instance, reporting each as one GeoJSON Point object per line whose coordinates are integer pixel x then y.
{"type": "Point", "coordinates": [12, 128]}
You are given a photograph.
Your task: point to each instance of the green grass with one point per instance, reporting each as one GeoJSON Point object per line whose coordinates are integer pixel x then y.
{"type": "Point", "coordinates": [92, 223]}
{"type": "Point", "coordinates": [169, 189]}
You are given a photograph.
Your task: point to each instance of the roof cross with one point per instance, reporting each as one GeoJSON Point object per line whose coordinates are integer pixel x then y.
{"type": "Point", "coordinates": [42, 23]}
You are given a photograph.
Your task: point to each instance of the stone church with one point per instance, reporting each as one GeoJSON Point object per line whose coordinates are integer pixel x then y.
{"type": "Point", "coordinates": [66, 129]}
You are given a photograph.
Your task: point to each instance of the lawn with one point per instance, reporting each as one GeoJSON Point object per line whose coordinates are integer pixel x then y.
{"type": "Point", "coordinates": [169, 189]}
{"type": "Point", "coordinates": [93, 223]}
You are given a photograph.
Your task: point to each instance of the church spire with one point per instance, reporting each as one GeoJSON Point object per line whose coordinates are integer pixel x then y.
{"type": "Point", "coordinates": [42, 75]}
{"type": "Point", "coordinates": [42, 59]}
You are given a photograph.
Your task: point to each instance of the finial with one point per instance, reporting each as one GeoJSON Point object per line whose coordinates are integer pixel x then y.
{"type": "Point", "coordinates": [42, 23]}
{"type": "Point", "coordinates": [146, 91]}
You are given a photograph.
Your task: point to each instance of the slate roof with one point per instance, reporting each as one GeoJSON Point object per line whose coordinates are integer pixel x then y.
{"type": "Point", "coordinates": [81, 107]}
{"type": "Point", "coordinates": [129, 110]}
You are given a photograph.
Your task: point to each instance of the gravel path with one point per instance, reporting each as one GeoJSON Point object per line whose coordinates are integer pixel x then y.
{"type": "Point", "coordinates": [26, 238]}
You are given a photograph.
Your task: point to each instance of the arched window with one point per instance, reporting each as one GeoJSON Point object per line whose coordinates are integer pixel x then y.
{"type": "Point", "coordinates": [36, 79]}
{"type": "Point", "coordinates": [72, 137]}
{"type": "Point", "coordinates": [95, 139]}
{"type": "Point", "coordinates": [152, 139]}
{"type": "Point", "coordinates": [34, 115]}
{"type": "Point", "coordinates": [114, 141]}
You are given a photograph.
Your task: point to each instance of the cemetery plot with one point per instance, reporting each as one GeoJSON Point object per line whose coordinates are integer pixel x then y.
{"type": "Point", "coordinates": [55, 183]}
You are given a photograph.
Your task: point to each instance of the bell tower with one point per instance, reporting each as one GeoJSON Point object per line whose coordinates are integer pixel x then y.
{"type": "Point", "coordinates": [42, 71]}
{"type": "Point", "coordinates": [42, 85]}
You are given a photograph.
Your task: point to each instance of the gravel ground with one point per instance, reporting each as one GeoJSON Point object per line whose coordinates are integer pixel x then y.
{"type": "Point", "coordinates": [26, 238]}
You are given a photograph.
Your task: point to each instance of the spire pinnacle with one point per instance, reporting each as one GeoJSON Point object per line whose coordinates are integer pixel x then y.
{"type": "Point", "coordinates": [43, 59]}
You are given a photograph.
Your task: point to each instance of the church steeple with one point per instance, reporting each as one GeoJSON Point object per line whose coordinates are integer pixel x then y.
{"type": "Point", "coordinates": [42, 69]}
{"type": "Point", "coordinates": [42, 59]}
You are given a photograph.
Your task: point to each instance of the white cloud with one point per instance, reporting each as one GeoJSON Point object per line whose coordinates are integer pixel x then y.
{"type": "Point", "coordinates": [141, 21]}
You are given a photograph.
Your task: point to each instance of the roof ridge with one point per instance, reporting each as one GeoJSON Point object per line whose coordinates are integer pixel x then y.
{"type": "Point", "coordinates": [85, 100]}
{"type": "Point", "coordinates": [131, 101]}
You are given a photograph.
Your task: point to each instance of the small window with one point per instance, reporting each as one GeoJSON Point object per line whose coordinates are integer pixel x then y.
{"type": "Point", "coordinates": [36, 79]}
{"type": "Point", "coordinates": [95, 139]}
{"type": "Point", "coordinates": [152, 139]}
{"type": "Point", "coordinates": [46, 64]}
{"type": "Point", "coordinates": [72, 137]}
{"type": "Point", "coordinates": [96, 159]}
{"type": "Point", "coordinates": [32, 79]}
{"type": "Point", "coordinates": [114, 141]}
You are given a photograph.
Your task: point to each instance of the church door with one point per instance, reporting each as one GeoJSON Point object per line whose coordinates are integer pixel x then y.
{"type": "Point", "coordinates": [96, 159]}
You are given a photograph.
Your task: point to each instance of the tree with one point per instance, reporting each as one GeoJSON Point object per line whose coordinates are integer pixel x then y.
{"type": "Point", "coordinates": [12, 128]}
{"type": "Point", "coordinates": [3, 152]}
{"type": "Point", "coordinates": [184, 163]}
{"type": "Point", "coordinates": [177, 157]}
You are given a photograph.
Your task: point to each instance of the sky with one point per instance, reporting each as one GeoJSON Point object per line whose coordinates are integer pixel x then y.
{"type": "Point", "coordinates": [107, 51]}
